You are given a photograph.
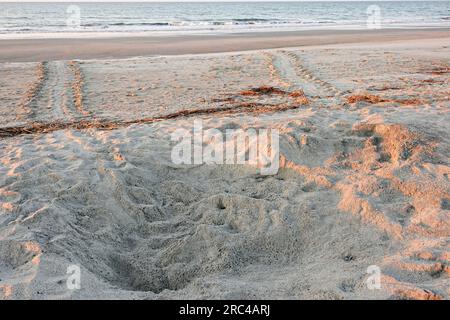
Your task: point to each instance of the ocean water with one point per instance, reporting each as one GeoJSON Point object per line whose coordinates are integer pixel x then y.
{"type": "Point", "coordinates": [56, 18]}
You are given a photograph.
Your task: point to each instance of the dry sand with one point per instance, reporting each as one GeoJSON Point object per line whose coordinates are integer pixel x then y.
{"type": "Point", "coordinates": [363, 179]}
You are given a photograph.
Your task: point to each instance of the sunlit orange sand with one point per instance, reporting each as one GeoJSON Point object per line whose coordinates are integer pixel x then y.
{"type": "Point", "coordinates": [87, 180]}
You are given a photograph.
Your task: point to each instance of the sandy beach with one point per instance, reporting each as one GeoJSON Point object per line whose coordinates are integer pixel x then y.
{"type": "Point", "coordinates": [87, 179]}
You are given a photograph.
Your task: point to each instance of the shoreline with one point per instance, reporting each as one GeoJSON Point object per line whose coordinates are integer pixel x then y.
{"type": "Point", "coordinates": [32, 50]}
{"type": "Point", "coordinates": [99, 34]}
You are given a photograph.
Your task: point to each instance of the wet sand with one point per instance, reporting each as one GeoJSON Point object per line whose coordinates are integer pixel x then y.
{"type": "Point", "coordinates": [31, 50]}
